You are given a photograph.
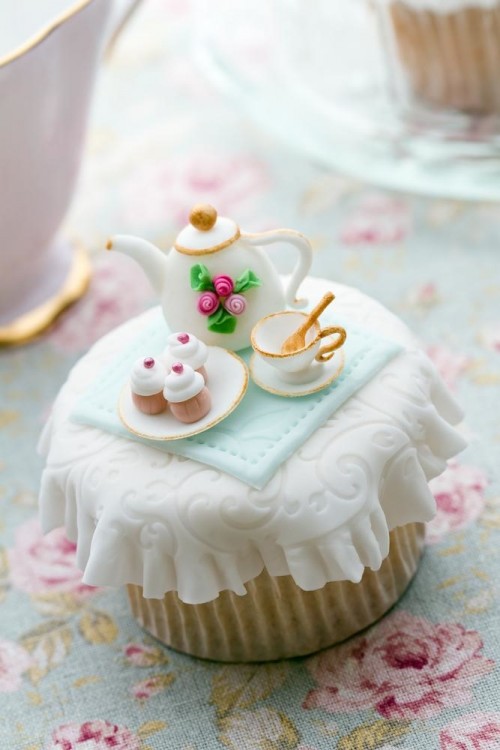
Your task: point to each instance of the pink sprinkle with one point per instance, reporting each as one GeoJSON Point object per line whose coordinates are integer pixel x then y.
{"type": "Point", "coordinates": [178, 367]}
{"type": "Point", "coordinates": [149, 363]}
{"type": "Point", "coordinates": [183, 338]}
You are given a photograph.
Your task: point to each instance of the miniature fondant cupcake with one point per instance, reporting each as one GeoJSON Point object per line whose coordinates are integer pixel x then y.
{"type": "Point", "coordinates": [449, 51]}
{"type": "Point", "coordinates": [186, 348]}
{"type": "Point", "coordinates": [186, 393]}
{"type": "Point", "coordinates": [146, 382]}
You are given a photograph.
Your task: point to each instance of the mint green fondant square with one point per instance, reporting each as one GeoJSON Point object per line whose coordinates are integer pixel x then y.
{"type": "Point", "coordinates": [235, 445]}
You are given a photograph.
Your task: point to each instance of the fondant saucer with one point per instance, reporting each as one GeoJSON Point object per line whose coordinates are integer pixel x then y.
{"type": "Point", "coordinates": [227, 381]}
{"type": "Point", "coordinates": [266, 377]}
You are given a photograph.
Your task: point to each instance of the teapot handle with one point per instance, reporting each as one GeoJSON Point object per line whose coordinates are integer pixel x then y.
{"type": "Point", "coordinates": [303, 264]}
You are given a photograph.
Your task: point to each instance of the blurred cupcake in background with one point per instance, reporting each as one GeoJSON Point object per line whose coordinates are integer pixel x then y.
{"type": "Point", "coordinates": [446, 52]}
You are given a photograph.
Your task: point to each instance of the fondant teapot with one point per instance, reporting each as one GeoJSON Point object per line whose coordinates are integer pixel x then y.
{"type": "Point", "coordinates": [217, 281]}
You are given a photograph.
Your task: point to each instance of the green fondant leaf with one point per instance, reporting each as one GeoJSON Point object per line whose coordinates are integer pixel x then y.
{"type": "Point", "coordinates": [221, 321]}
{"type": "Point", "coordinates": [200, 278]}
{"type": "Point", "coordinates": [246, 281]}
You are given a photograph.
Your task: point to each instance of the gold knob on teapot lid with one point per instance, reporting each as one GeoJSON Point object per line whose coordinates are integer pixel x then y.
{"type": "Point", "coordinates": [203, 217]}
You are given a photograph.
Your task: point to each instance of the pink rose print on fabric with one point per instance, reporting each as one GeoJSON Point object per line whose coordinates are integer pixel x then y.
{"type": "Point", "coordinates": [161, 193]}
{"type": "Point", "coordinates": [140, 655]}
{"type": "Point", "coordinates": [477, 731]}
{"type": "Point", "coordinates": [450, 364]}
{"type": "Point", "coordinates": [459, 493]}
{"type": "Point", "coordinates": [14, 660]}
{"type": "Point", "coordinates": [424, 296]}
{"type": "Point", "coordinates": [405, 668]}
{"type": "Point", "coordinates": [93, 735]}
{"type": "Point", "coordinates": [146, 689]}
{"type": "Point", "coordinates": [490, 338]}
{"type": "Point", "coordinates": [377, 219]}
{"type": "Point", "coordinates": [118, 291]}
{"type": "Point", "coordinates": [45, 563]}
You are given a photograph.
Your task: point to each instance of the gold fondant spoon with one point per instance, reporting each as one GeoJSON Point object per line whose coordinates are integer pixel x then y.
{"type": "Point", "coordinates": [297, 339]}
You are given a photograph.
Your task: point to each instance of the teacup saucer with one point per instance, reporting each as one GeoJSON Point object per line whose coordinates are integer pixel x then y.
{"type": "Point", "coordinates": [226, 393]}
{"type": "Point", "coordinates": [267, 378]}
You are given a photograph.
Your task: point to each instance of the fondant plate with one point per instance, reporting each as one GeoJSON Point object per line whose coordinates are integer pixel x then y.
{"type": "Point", "coordinates": [227, 381]}
{"type": "Point", "coordinates": [266, 377]}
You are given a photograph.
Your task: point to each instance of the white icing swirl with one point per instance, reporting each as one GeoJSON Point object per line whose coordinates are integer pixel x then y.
{"type": "Point", "coordinates": [147, 381]}
{"type": "Point", "coordinates": [182, 385]}
{"type": "Point", "coordinates": [192, 351]}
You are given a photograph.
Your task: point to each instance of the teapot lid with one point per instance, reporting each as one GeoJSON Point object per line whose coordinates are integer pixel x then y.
{"type": "Point", "coordinates": [206, 232]}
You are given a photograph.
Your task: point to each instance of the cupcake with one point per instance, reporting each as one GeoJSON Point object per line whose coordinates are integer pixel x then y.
{"type": "Point", "coordinates": [186, 348]}
{"type": "Point", "coordinates": [146, 383]}
{"type": "Point", "coordinates": [449, 51]}
{"type": "Point", "coordinates": [186, 393]}
{"type": "Point", "coordinates": [221, 570]}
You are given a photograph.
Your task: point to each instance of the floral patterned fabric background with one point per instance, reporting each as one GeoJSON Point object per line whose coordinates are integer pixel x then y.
{"type": "Point", "coordinates": [76, 672]}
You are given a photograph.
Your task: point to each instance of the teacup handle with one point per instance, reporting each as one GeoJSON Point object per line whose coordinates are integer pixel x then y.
{"type": "Point", "coordinates": [327, 351]}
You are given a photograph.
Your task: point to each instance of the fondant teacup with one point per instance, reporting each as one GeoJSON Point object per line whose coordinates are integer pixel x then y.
{"type": "Point", "coordinates": [299, 366]}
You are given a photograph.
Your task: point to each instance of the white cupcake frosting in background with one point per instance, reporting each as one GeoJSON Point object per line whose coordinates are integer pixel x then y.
{"type": "Point", "coordinates": [443, 6]}
{"type": "Point", "coordinates": [147, 379]}
{"type": "Point", "coordinates": [186, 348]}
{"type": "Point", "coordinates": [182, 383]}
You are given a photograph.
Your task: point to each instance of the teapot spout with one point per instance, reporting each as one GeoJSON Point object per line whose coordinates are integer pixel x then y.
{"type": "Point", "coordinates": [151, 259]}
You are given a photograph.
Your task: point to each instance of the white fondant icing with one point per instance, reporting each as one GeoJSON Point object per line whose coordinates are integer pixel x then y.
{"type": "Point", "coordinates": [147, 381]}
{"type": "Point", "coordinates": [167, 523]}
{"type": "Point", "coordinates": [181, 386]}
{"type": "Point", "coordinates": [192, 352]}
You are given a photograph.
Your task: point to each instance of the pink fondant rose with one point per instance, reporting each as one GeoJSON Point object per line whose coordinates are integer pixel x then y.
{"type": "Point", "coordinates": [93, 735]}
{"type": "Point", "coordinates": [478, 731]}
{"type": "Point", "coordinates": [208, 302]}
{"type": "Point", "coordinates": [45, 563]}
{"type": "Point", "coordinates": [223, 284]}
{"type": "Point", "coordinates": [405, 668]}
{"type": "Point", "coordinates": [235, 304]}
{"type": "Point", "coordinates": [221, 298]}
{"type": "Point", "coordinates": [459, 493]}
{"type": "Point", "coordinates": [14, 660]}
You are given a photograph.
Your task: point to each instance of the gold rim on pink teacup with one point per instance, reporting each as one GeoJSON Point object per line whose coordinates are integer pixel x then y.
{"type": "Point", "coordinates": [325, 353]}
{"type": "Point", "coordinates": [47, 29]}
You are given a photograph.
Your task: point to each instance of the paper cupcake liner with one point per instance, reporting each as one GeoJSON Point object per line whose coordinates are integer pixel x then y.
{"type": "Point", "coordinates": [451, 60]}
{"type": "Point", "coordinates": [277, 619]}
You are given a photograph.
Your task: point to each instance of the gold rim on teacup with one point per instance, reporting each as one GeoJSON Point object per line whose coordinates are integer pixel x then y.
{"type": "Point", "coordinates": [325, 353]}
{"type": "Point", "coordinates": [48, 28]}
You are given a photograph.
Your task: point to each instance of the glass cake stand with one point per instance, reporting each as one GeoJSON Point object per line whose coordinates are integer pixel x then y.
{"type": "Point", "coordinates": [320, 82]}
